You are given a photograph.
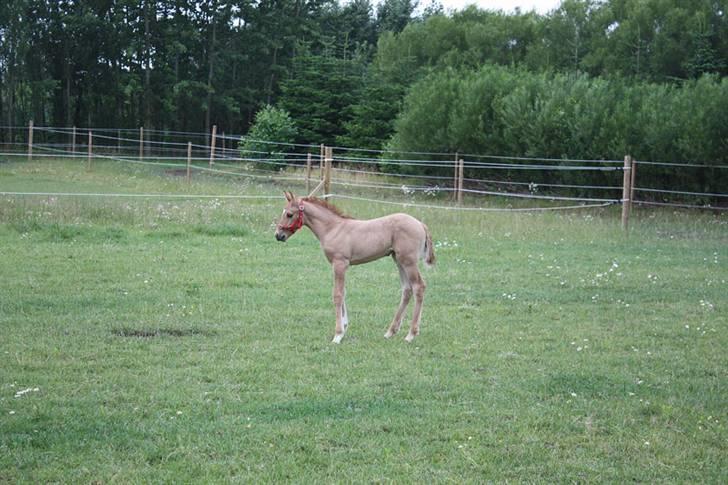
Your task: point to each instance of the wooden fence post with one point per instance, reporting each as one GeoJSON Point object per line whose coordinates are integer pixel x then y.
{"type": "Point", "coordinates": [90, 149]}
{"type": "Point", "coordinates": [189, 159]}
{"type": "Point", "coordinates": [321, 161]}
{"type": "Point", "coordinates": [118, 141]}
{"type": "Point", "coordinates": [461, 171]}
{"type": "Point", "coordinates": [222, 140]}
{"type": "Point", "coordinates": [212, 145]}
{"type": "Point", "coordinates": [30, 140]}
{"type": "Point", "coordinates": [456, 178]}
{"type": "Point", "coordinates": [141, 143]}
{"type": "Point", "coordinates": [308, 173]}
{"type": "Point", "coordinates": [73, 142]}
{"type": "Point", "coordinates": [631, 183]}
{"type": "Point", "coordinates": [626, 191]}
{"type": "Point", "coordinates": [327, 170]}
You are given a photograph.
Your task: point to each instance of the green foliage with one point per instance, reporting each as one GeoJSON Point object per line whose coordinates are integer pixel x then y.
{"type": "Point", "coordinates": [579, 82]}
{"type": "Point", "coordinates": [269, 135]}
{"type": "Point", "coordinates": [427, 115]}
{"type": "Point", "coordinates": [352, 24]}
{"type": "Point", "coordinates": [372, 116]}
{"type": "Point", "coordinates": [654, 39]}
{"type": "Point", "coordinates": [394, 15]}
{"type": "Point", "coordinates": [380, 98]}
{"type": "Point", "coordinates": [128, 63]}
{"type": "Point", "coordinates": [319, 93]}
{"type": "Point", "coordinates": [705, 58]}
{"type": "Point", "coordinates": [503, 111]}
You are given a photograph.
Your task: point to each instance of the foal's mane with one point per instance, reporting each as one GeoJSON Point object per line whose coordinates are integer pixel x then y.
{"type": "Point", "coordinates": [326, 205]}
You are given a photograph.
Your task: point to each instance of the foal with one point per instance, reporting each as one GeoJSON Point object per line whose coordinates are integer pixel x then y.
{"type": "Point", "coordinates": [346, 241]}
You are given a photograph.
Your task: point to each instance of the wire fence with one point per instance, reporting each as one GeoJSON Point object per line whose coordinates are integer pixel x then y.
{"type": "Point", "coordinates": [447, 181]}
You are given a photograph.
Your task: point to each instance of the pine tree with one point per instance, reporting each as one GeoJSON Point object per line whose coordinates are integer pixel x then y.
{"type": "Point", "coordinates": [319, 95]}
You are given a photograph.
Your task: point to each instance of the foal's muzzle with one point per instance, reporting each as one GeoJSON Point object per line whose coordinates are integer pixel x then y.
{"type": "Point", "coordinates": [280, 237]}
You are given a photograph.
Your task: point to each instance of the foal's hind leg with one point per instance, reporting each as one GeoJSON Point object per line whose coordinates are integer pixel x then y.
{"type": "Point", "coordinates": [418, 288]}
{"type": "Point", "coordinates": [406, 295]}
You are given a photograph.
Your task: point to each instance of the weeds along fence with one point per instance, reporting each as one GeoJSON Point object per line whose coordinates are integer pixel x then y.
{"type": "Point", "coordinates": [448, 181]}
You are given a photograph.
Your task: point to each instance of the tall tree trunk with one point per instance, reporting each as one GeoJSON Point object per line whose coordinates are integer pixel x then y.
{"type": "Point", "coordinates": [639, 51]}
{"type": "Point", "coordinates": [147, 67]}
{"type": "Point", "coordinates": [210, 72]}
{"type": "Point", "coordinates": [2, 103]}
{"type": "Point", "coordinates": [269, 88]}
{"type": "Point", "coordinates": [11, 107]}
{"type": "Point", "coordinates": [79, 104]}
{"type": "Point", "coordinates": [67, 84]}
{"type": "Point", "coordinates": [576, 48]}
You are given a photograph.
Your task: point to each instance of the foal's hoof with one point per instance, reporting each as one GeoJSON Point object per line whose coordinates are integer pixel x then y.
{"type": "Point", "coordinates": [337, 339]}
{"type": "Point", "coordinates": [410, 337]}
{"type": "Point", "coordinates": [389, 334]}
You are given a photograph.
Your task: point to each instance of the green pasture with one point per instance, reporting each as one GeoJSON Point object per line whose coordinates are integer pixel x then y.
{"type": "Point", "coordinates": [174, 340]}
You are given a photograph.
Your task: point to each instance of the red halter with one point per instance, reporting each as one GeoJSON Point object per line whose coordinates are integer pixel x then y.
{"type": "Point", "coordinates": [297, 224]}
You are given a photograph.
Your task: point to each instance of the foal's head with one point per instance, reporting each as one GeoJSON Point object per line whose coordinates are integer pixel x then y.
{"type": "Point", "coordinates": [291, 219]}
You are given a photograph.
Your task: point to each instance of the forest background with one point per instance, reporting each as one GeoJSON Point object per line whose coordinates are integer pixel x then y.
{"type": "Point", "coordinates": [590, 79]}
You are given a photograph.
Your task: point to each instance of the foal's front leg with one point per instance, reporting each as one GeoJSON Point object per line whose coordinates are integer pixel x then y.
{"type": "Point", "coordinates": [342, 319]}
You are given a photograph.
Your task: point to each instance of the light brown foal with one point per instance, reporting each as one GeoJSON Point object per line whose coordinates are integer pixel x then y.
{"type": "Point", "coordinates": [346, 241]}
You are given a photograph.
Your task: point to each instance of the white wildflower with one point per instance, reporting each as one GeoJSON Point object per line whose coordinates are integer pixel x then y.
{"type": "Point", "coordinates": [26, 391]}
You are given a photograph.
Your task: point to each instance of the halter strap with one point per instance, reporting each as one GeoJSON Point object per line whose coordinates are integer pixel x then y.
{"type": "Point", "coordinates": [297, 224]}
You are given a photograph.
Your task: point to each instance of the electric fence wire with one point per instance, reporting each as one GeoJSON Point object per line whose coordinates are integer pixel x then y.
{"type": "Point", "coordinates": [468, 209]}
{"type": "Point", "coordinates": [679, 205]}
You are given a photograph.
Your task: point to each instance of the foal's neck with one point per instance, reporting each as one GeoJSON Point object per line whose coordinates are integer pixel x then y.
{"type": "Point", "coordinates": [320, 219]}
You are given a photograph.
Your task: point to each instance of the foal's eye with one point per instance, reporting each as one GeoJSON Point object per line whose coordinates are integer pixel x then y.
{"type": "Point", "coordinates": [289, 214]}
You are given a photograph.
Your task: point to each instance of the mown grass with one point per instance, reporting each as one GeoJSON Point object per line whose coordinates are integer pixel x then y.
{"type": "Point", "coordinates": [177, 341]}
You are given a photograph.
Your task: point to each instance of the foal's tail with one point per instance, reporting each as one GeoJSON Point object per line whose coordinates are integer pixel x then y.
{"type": "Point", "coordinates": [428, 252]}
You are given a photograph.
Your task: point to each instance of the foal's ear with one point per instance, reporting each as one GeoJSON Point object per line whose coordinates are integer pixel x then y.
{"type": "Point", "coordinates": [289, 196]}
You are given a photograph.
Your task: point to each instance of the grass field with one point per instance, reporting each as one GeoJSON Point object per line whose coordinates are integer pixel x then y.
{"type": "Point", "coordinates": [151, 340]}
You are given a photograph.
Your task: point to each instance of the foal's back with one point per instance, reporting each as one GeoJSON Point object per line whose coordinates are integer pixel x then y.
{"type": "Point", "coordinates": [372, 239]}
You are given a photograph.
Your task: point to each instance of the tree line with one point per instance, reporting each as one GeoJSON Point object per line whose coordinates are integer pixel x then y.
{"type": "Point", "coordinates": [170, 64]}
{"type": "Point", "coordinates": [589, 79]}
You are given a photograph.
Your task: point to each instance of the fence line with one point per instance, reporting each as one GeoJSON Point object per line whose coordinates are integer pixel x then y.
{"type": "Point", "coordinates": [238, 138]}
{"type": "Point", "coordinates": [409, 189]}
{"type": "Point", "coordinates": [471, 155]}
{"type": "Point", "coordinates": [683, 206]}
{"type": "Point", "coordinates": [674, 164]}
{"type": "Point", "coordinates": [365, 185]}
{"type": "Point", "coordinates": [678, 192]}
{"type": "Point", "coordinates": [469, 164]}
{"type": "Point", "coordinates": [472, 209]}
{"type": "Point", "coordinates": [243, 138]}
{"type": "Point", "coordinates": [535, 185]}
{"type": "Point", "coordinates": [285, 167]}
{"type": "Point", "coordinates": [472, 180]}
{"type": "Point", "coordinates": [421, 163]}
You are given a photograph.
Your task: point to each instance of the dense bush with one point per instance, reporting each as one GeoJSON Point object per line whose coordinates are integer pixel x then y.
{"type": "Point", "coordinates": [267, 138]}
{"type": "Point", "coordinates": [497, 110]}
